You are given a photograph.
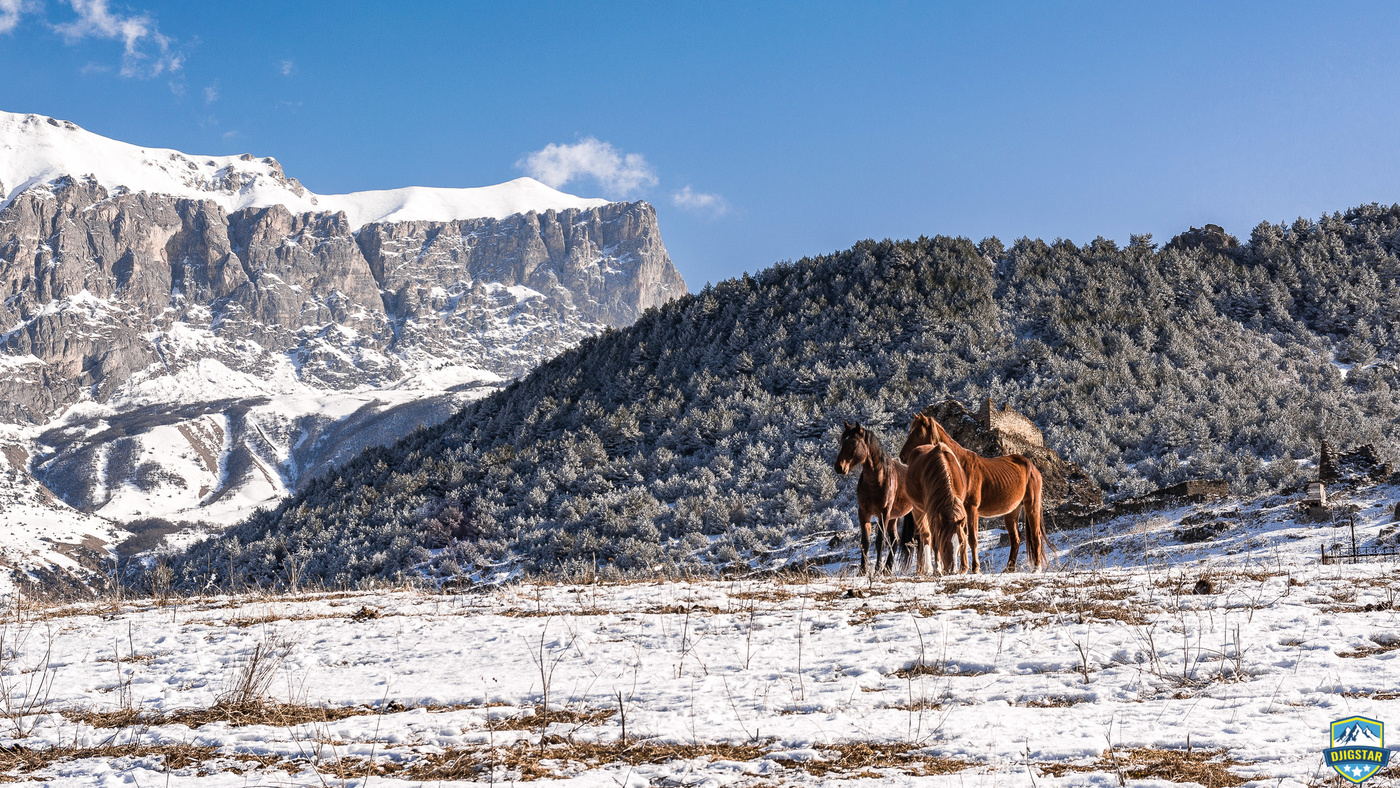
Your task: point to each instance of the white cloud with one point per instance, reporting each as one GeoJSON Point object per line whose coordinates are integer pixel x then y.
{"type": "Point", "coordinates": [287, 68]}
{"type": "Point", "coordinates": [146, 53]}
{"type": "Point", "coordinates": [12, 10]}
{"type": "Point", "coordinates": [617, 172]}
{"type": "Point", "coordinates": [700, 202]}
{"type": "Point", "coordinates": [211, 93]}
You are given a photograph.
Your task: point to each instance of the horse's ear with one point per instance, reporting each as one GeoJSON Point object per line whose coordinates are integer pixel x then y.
{"type": "Point", "coordinates": [847, 423]}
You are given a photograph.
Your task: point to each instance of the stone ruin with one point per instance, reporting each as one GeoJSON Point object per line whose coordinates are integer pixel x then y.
{"type": "Point", "coordinates": [1009, 426]}
{"type": "Point", "coordinates": [1327, 463]}
{"type": "Point", "coordinates": [1358, 466]}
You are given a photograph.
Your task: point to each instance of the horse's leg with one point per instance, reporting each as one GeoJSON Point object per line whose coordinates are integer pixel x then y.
{"type": "Point", "coordinates": [907, 533]}
{"type": "Point", "coordinates": [884, 542]}
{"type": "Point", "coordinates": [922, 537]}
{"type": "Point", "coordinates": [864, 536]}
{"type": "Point", "coordinates": [970, 545]}
{"type": "Point", "coordinates": [926, 550]}
{"type": "Point", "coordinates": [892, 539]}
{"type": "Point", "coordinates": [1035, 527]}
{"type": "Point", "coordinates": [947, 562]}
{"type": "Point", "coordinates": [1013, 530]}
{"type": "Point", "coordinates": [880, 541]}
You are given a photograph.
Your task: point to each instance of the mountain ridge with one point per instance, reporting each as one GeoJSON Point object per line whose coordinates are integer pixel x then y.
{"type": "Point", "coordinates": [194, 355]}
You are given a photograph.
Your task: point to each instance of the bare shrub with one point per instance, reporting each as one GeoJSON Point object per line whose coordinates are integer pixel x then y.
{"type": "Point", "coordinates": [251, 677]}
{"type": "Point", "coordinates": [24, 684]}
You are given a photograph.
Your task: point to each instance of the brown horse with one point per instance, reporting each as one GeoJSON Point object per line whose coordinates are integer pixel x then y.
{"type": "Point", "coordinates": [937, 487]}
{"type": "Point", "coordinates": [880, 492]}
{"type": "Point", "coordinates": [997, 486]}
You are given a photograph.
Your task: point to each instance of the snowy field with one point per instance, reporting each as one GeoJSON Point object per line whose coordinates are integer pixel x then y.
{"type": "Point", "coordinates": [1109, 669]}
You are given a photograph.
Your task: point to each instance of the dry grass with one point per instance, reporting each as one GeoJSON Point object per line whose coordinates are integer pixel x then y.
{"type": "Point", "coordinates": [16, 761]}
{"type": "Point", "coordinates": [1054, 701]}
{"type": "Point", "coordinates": [836, 594]}
{"type": "Point", "coordinates": [546, 613]}
{"type": "Point", "coordinates": [957, 586]}
{"type": "Point", "coordinates": [1206, 767]}
{"type": "Point", "coordinates": [1080, 603]}
{"type": "Point", "coordinates": [533, 763]}
{"type": "Point", "coordinates": [563, 716]}
{"type": "Point", "coordinates": [128, 658]}
{"type": "Point", "coordinates": [523, 762]}
{"type": "Point", "coordinates": [1383, 643]}
{"type": "Point", "coordinates": [859, 757]}
{"type": "Point", "coordinates": [935, 668]}
{"type": "Point", "coordinates": [279, 715]}
{"type": "Point", "coordinates": [1076, 610]}
{"type": "Point", "coordinates": [681, 610]}
{"type": "Point", "coordinates": [921, 704]}
{"type": "Point", "coordinates": [243, 622]}
{"type": "Point", "coordinates": [526, 762]}
{"type": "Point", "coordinates": [769, 595]}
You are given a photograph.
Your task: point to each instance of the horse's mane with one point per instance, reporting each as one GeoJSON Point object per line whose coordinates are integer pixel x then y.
{"type": "Point", "coordinates": [941, 434]}
{"type": "Point", "coordinates": [945, 498]}
{"type": "Point", "coordinates": [878, 456]}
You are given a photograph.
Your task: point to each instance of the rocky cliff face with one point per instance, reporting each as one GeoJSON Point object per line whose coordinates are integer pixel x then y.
{"type": "Point", "coordinates": [101, 289]}
{"type": "Point", "coordinates": [187, 356]}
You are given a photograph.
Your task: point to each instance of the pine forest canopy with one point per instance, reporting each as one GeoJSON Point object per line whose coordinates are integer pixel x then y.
{"type": "Point", "coordinates": [701, 436]}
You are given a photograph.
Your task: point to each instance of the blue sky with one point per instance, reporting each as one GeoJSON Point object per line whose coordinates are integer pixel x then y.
{"type": "Point", "coordinates": [763, 132]}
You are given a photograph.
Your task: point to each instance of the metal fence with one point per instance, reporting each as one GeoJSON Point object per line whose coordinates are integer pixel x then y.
{"type": "Point", "coordinates": [1356, 554]}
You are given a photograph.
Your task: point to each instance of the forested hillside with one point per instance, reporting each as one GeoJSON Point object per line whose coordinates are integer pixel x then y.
{"type": "Point", "coordinates": [702, 435]}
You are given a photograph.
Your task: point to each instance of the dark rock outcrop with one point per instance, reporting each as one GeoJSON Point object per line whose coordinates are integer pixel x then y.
{"type": "Point", "coordinates": [1212, 237]}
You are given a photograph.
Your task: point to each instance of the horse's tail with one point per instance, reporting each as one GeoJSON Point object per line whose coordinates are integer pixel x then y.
{"type": "Point", "coordinates": [1035, 531]}
{"type": "Point", "coordinates": [906, 529]}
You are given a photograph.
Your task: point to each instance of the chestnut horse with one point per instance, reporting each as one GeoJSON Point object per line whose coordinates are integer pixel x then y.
{"type": "Point", "coordinates": [996, 486]}
{"type": "Point", "coordinates": [880, 493]}
{"type": "Point", "coordinates": [937, 487]}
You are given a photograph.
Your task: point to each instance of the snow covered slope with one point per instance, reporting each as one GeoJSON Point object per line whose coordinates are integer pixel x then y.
{"type": "Point", "coordinates": [1068, 679]}
{"type": "Point", "coordinates": [38, 531]}
{"type": "Point", "coordinates": [35, 149]}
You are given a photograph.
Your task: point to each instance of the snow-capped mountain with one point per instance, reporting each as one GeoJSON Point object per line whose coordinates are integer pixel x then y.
{"type": "Point", "coordinates": [1357, 734]}
{"type": "Point", "coordinates": [188, 337]}
{"type": "Point", "coordinates": [35, 150]}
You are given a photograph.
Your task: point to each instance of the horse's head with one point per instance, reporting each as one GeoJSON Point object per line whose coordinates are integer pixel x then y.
{"type": "Point", "coordinates": [923, 431]}
{"type": "Point", "coordinates": [853, 448]}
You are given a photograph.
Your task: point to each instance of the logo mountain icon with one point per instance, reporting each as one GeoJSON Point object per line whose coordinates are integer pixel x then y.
{"type": "Point", "coordinates": [1357, 734]}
